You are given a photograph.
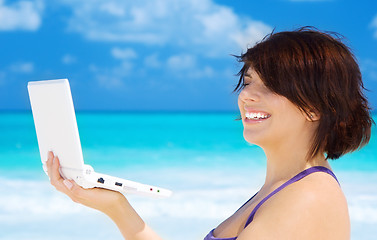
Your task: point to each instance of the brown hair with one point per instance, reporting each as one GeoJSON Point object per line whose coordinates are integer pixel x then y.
{"type": "Point", "coordinates": [316, 72]}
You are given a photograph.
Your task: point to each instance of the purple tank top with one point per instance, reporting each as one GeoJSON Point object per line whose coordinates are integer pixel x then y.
{"type": "Point", "coordinates": [290, 181]}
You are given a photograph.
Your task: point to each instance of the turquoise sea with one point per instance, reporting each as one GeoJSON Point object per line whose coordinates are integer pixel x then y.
{"type": "Point", "coordinates": [202, 157]}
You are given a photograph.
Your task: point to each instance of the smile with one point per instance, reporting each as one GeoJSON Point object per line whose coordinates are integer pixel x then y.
{"type": "Point", "coordinates": [257, 115]}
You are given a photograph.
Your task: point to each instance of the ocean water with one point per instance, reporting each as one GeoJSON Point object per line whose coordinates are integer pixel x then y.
{"type": "Point", "coordinates": [202, 157]}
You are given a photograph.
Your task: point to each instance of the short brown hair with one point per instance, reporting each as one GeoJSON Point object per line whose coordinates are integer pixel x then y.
{"type": "Point", "coordinates": [315, 71]}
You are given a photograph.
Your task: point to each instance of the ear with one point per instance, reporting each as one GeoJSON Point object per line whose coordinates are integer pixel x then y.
{"type": "Point", "coordinates": [313, 116]}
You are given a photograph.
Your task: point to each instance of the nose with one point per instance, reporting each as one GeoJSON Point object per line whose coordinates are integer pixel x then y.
{"type": "Point", "coordinates": [248, 94]}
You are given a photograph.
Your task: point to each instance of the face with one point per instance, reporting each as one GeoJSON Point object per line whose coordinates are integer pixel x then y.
{"type": "Point", "coordinates": [268, 118]}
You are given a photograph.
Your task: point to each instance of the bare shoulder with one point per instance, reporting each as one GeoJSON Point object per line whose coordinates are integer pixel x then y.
{"type": "Point", "coordinates": [312, 208]}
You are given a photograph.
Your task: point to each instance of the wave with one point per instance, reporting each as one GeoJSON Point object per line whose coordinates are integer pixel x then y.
{"type": "Point", "coordinates": [201, 200]}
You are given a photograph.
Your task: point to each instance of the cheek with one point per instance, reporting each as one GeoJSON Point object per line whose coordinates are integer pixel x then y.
{"type": "Point", "coordinates": [286, 115]}
{"type": "Point", "coordinates": [293, 123]}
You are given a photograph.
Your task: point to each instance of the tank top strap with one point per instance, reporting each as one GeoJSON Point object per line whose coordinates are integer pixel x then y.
{"type": "Point", "coordinates": [290, 181]}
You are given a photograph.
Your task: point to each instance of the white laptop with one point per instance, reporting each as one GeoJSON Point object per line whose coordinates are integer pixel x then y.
{"type": "Point", "coordinates": [56, 127]}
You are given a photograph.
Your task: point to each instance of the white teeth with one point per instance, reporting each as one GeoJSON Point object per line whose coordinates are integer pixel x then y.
{"type": "Point", "coordinates": [256, 115]}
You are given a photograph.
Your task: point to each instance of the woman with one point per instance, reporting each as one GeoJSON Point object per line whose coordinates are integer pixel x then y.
{"type": "Point", "coordinates": [301, 101]}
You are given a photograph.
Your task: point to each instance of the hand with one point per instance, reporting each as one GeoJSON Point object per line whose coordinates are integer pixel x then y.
{"type": "Point", "coordinates": [104, 200]}
{"type": "Point", "coordinates": [112, 203]}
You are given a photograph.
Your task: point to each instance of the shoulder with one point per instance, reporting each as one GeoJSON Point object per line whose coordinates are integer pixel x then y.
{"type": "Point", "coordinates": [312, 208]}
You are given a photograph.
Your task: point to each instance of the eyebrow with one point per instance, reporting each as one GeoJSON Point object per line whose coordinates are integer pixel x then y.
{"type": "Point", "coordinates": [247, 75]}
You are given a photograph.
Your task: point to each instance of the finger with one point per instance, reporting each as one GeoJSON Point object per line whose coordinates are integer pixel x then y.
{"type": "Point", "coordinates": [50, 157]}
{"type": "Point", "coordinates": [55, 177]}
{"type": "Point", "coordinates": [75, 191]}
{"type": "Point", "coordinates": [68, 187]}
{"type": "Point", "coordinates": [65, 186]}
{"type": "Point", "coordinates": [55, 174]}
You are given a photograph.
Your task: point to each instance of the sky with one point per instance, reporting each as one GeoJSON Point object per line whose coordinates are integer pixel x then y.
{"type": "Point", "coordinates": [167, 55]}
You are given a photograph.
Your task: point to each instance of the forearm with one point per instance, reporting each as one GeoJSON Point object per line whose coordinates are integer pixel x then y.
{"type": "Point", "coordinates": [130, 224]}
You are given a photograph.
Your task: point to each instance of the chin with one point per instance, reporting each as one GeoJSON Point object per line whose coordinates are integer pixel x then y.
{"type": "Point", "coordinates": [258, 138]}
{"type": "Point", "coordinates": [250, 138]}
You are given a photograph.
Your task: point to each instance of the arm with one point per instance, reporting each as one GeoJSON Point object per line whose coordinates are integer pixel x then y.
{"type": "Point", "coordinates": [112, 203]}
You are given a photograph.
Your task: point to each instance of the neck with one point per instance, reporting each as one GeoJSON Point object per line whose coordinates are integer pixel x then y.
{"type": "Point", "coordinates": [284, 162]}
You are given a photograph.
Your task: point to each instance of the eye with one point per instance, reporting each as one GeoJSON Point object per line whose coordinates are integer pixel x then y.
{"type": "Point", "coordinates": [246, 83]}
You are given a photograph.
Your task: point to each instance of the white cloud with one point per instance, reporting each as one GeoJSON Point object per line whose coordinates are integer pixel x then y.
{"type": "Point", "coordinates": [112, 78]}
{"type": "Point", "coordinates": [190, 30]}
{"type": "Point", "coordinates": [68, 59]}
{"type": "Point", "coordinates": [126, 53]}
{"type": "Point", "coordinates": [374, 26]}
{"type": "Point", "coordinates": [200, 25]}
{"type": "Point", "coordinates": [152, 61]}
{"type": "Point", "coordinates": [22, 67]}
{"type": "Point", "coordinates": [198, 73]}
{"type": "Point", "coordinates": [186, 66]}
{"type": "Point", "coordinates": [254, 32]}
{"type": "Point", "coordinates": [369, 69]}
{"type": "Point", "coordinates": [22, 15]}
{"type": "Point", "coordinates": [182, 66]}
{"type": "Point", "coordinates": [180, 62]}
{"type": "Point", "coordinates": [112, 9]}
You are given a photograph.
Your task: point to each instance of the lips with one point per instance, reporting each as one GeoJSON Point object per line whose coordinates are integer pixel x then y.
{"type": "Point", "coordinates": [256, 115]}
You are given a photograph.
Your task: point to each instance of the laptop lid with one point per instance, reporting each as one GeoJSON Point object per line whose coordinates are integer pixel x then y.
{"type": "Point", "coordinates": [55, 125]}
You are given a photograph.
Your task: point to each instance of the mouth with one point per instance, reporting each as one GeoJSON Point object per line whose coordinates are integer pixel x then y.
{"type": "Point", "coordinates": [256, 116]}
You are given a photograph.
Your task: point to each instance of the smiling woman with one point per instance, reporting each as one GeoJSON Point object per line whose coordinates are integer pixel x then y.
{"type": "Point", "coordinates": [319, 75]}
{"type": "Point", "coordinates": [301, 96]}
{"type": "Point", "coordinates": [301, 101]}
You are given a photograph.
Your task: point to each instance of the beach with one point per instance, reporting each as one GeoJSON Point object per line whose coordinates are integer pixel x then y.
{"type": "Point", "coordinates": [201, 157]}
